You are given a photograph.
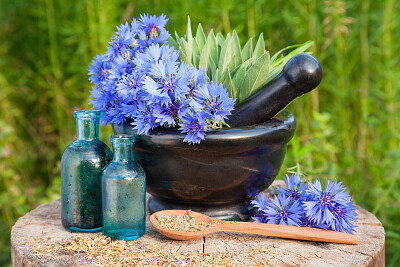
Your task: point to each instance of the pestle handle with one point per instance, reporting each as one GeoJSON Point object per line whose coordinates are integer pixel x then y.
{"type": "Point", "coordinates": [300, 75]}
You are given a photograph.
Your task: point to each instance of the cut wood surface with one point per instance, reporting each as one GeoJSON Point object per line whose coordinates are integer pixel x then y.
{"type": "Point", "coordinates": [35, 235]}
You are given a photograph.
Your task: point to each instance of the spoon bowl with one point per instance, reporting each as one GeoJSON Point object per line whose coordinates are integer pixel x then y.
{"type": "Point", "coordinates": [265, 229]}
{"type": "Point", "coordinates": [198, 217]}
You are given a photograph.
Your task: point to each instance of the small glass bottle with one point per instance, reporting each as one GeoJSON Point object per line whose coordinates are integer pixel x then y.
{"type": "Point", "coordinates": [124, 192]}
{"type": "Point", "coordinates": [82, 164]}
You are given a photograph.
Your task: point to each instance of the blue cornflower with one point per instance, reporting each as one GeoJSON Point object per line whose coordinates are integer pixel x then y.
{"type": "Point", "coordinates": [197, 77]}
{"type": "Point", "coordinates": [217, 104]}
{"type": "Point", "coordinates": [195, 127]}
{"type": "Point", "coordinates": [152, 30]}
{"type": "Point", "coordinates": [343, 217]}
{"type": "Point", "coordinates": [98, 69]}
{"type": "Point", "coordinates": [261, 217]}
{"type": "Point", "coordinates": [139, 79]}
{"type": "Point", "coordinates": [144, 120]}
{"type": "Point", "coordinates": [306, 222]}
{"type": "Point", "coordinates": [260, 202]}
{"type": "Point", "coordinates": [162, 38]}
{"type": "Point", "coordinates": [282, 210]}
{"type": "Point", "coordinates": [102, 100]}
{"type": "Point", "coordinates": [119, 68]}
{"type": "Point", "coordinates": [296, 189]}
{"type": "Point", "coordinates": [164, 83]}
{"type": "Point", "coordinates": [130, 108]}
{"type": "Point", "coordinates": [136, 26]}
{"type": "Point", "coordinates": [152, 24]}
{"type": "Point", "coordinates": [169, 115]}
{"type": "Point", "coordinates": [331, 206]}
{"type": "Point", "coordinates": [118, 82]}
{"type": "Point", "coordinates": [120, 42]}
{"type": "Point", "coordinates": [129, 85]}
{"type": "Point", "coordinates": [151, 55]}
{"type": "Point", "coordinates": [115, 114]}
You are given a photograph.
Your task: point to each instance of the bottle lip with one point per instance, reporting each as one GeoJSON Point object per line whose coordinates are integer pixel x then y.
{"type": "Point", "coordinates": [122, 137]}
{"type": "Point", "coordinates": [88, 114]}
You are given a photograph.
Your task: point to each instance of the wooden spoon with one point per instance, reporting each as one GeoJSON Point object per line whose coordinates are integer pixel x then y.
{"type": "Point", "coordinates": [266, 229]}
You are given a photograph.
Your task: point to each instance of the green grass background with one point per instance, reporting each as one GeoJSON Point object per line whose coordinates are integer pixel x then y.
{"type": "Point", "coordinates": [347, 129]}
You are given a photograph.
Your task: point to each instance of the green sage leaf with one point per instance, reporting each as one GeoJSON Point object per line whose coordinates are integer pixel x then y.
{"type": "Point", "coordinates": [173, 43]}
{"type": "Point", "coordinates": [204, 57]}
{"type": "Point", "coordinates": [200, 37]}
{"type": "Point", "coordinates": [247, 51]}
{"type": "Point", "coordinates": [212, 69]}
{"type": "Point", "coordinates": [238, 79]}
{"type": "Point", "coordinates": [236, 50]}
{"type": "Point", "coordinates": [178, 39]}
{"type": "Point", "coordinates": [255, 76]}
{"type": "Point", "coordinates": [259, 50]}
{"type": "Point", "coordinates": [195, 53]}
{"type": "Point", "coordinates": [189, 36]}
{"type": "Point", "coordinates": [226, 55]}
{"type": "Point", "coordinates": [185, 52]}
{"type": "Point", "coordinates": [220, 38]}
{"type": "Point", "coordinates": [213, 46]}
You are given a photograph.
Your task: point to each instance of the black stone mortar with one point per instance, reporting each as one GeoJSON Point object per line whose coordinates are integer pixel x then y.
{"type": "Point", "coordinates": [221, 175]}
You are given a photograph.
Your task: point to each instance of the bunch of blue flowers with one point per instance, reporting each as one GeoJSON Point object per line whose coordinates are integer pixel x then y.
{"type": "Point", "coordinates": [308, 205]}
{"type": "Point", "coordinates": [141, 80]}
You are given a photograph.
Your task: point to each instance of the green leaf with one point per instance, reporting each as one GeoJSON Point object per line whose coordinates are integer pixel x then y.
{"type": "Point", "coordinates": [200, 37]}
{"type": "Point", "coordinates": [299, 49]}
{"type": "Point", "coordinates": [220, 38]}
{"type": "Point", "coordinates": [247, 51]}
{"type": "Point", "coordinates": [195, 53]}
{"type": "Point", "coordinates": [248, 62]}
{"type": "Point", "coordinates": [216, 75]}
{"type": "Point", "coordinates": [189, 36]}
{"type": "Point", "coordinates": [226, 55]}
{"type": "Point", "coordinates": [236, 48]}
{"type": "Point", "coordinates": [235, 70]}
{"type": "Point", "coordinates": [212, 68]}
{"type": "Point", "coordinates": [203, 63]}
{"type": "Point", "coordinates": [255, 76]}
{"type": "Point", "coordinates": [228, 84]}
{"type": "Point", "coordinates": [213, 46]}
{"type": "Point", "coordinates": [237, 81]}
{"type": "Point", "coordinates": [221, 76]}
{"type": "Point", "coordinates": [277, 64]}
{"type": "Point", "coordinates": [236, 51]}
{"type": "Point", "coordinates": [178, 39]}
{"type": "Point", "coordinates": [172, 42]}
{"type": "Point", "coordinates": [259, 50]}
{"type": "Point", "coordinates": [185, 52]}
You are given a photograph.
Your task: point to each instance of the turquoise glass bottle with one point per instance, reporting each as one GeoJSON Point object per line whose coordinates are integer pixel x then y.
{"type": "Point", "coordinates": [82, 164]}
{"type": "Point", "coordinates": [124, 192]}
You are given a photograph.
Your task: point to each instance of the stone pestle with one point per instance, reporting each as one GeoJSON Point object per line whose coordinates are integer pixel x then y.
{"type": "Point", "coordinates": [300, 75]}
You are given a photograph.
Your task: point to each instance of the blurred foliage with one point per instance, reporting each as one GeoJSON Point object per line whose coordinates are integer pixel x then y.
{"type": "Point", "coordinates": [347, 129]}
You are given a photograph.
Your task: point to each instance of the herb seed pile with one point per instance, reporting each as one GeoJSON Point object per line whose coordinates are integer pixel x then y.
{"type": "Point", "coordinates": [182, 223]}
{"type": "Point", "coordinates": [98, 250]}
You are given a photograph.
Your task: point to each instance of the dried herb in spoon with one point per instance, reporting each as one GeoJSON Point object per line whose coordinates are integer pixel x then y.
{"type": "Point", "coordinates": [182, 223]}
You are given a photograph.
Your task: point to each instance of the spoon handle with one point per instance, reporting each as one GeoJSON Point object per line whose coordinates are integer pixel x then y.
{"type": "Point", "coordinates": [288, 231]}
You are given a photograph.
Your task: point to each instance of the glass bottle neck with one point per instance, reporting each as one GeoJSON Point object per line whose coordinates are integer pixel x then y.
{"type": "Point", "coordinates": [123, 151]}
{"type": "Point", "coordinates": [87, 128]}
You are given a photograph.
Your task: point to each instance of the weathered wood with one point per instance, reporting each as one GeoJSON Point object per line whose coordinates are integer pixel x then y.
{"type": "Point", "coordinates": [42, 227]}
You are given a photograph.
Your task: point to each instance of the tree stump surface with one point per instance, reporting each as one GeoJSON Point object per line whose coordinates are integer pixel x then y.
{"type": "Point", "coordinates": [41, 229]}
